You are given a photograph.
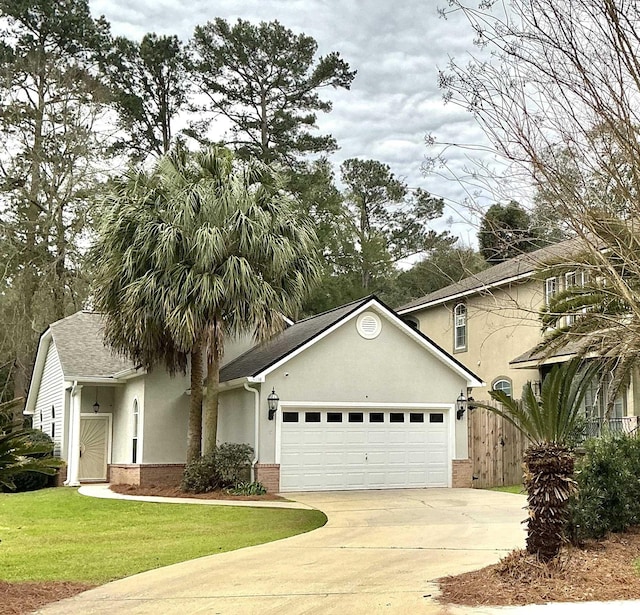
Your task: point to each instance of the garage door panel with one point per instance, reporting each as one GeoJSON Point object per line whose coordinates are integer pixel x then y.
{"type": "Point", "coordinates": [376, 437]}
{"type": "Point", "coordinates": [364, 455]}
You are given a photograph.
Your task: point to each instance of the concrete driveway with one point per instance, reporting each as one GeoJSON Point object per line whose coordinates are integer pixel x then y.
{"type": "Point", "coordinates": [379, 553]}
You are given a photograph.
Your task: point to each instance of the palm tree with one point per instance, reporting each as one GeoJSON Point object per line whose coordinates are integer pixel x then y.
{"type": "Point", "coordinates": [202, 249]}
{"type": "Point", "coordinates": [20, 453]}
{"type": "Point", "coordinates": [551, 424]}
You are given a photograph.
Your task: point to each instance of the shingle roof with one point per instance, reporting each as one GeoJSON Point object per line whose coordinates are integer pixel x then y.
{"type": "Point", "coordinates": [570, 348]}
{"type": "Point", "coordinates": [82, 353]}
{"type": "Point", "coordinates": [494, 276]}
{"type": "Point", "coordinates": [262, 356]}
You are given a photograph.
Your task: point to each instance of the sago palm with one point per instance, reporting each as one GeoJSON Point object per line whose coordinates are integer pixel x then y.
{"type": "Point", "coordinates": [550, 423]}
{"type": "Point", "coordinates": [20, 454]}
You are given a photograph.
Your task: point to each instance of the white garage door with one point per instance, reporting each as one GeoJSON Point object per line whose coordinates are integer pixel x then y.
{"type": "Point", "coordinates": [363, 449]}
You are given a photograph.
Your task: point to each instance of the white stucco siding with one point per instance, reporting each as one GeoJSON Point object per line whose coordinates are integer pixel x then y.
{"type": "Point", "coordinates": [345, 367]}
{"type": "Point", "coordinates": [165, 417]}
{"type": "Point", "coordinates": [49, 407]}
{"type": "Point", "coordinates": [236, 417]}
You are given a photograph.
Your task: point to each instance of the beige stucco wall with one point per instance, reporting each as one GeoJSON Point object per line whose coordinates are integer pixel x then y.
{"type": "Point", "coordinates": [124, 396]}
{"type": "Point", "coordinates": [345, 367]}
{"type": "Point", "coordinates": [501, 325]}
{"type": "Point", "coordinates": [236, 417]}
{"type": "Point", "coordinates": [165, 417]}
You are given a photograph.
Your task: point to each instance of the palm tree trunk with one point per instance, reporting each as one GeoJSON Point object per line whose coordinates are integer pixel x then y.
{"type": "Point", "coordinates": [549, 483]}
{"type": "Point", "coordinates": [211, 400]}
{"type": "Point", "coordinates": [194, 431]}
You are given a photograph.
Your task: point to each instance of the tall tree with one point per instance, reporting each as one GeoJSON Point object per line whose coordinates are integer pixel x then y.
{"type": "Point", "coordinates": [266, 82]}
{"type": "Point", "coordinates": [51, 98]}
{"type": "Point", "coordinates": [443, 265]}
{"type": "Point", "coordinates": [559, 101]}
{"type": "Point", "coordinates": [204, 249]}
{"type": "Point", "coordinates": [149, 80]}
{"type": "Point", "coordinates": [389, 222]}
{"type": "Point", "coordinates": [506, 231]}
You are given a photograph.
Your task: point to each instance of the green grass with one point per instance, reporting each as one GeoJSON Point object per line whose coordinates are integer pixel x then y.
{"type": "Point", "coordinates": [519, 489]}
{"type": "Point", "coordinates": [60, 535]}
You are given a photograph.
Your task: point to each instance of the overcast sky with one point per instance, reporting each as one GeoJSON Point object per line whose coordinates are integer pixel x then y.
{"type": "Point", "coordinates": [397, 49]}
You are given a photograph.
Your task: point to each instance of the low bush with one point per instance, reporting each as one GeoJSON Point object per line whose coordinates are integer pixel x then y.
{"type": "Point", "coordinates": [246, 488]}
{"type": "Point", "coordinates": [233, 461]}
{"type": "Point", "coordinates": [200, 476]}
{"type": "Point", "coordinates": [226, 467]}
{"type": "Point", "coordinates": [608, 498]}
{"type": "Point", "coordinates": [32, 481]}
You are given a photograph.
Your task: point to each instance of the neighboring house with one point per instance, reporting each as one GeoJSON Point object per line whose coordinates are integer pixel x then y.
{"type": "Point", "coordinates": [490, 323]}
{"type": "Point", "coordinates": [365, 401]}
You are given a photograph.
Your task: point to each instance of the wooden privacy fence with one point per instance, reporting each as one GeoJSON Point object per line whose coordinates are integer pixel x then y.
{"type": "Point", "coordinates": [496, 448]}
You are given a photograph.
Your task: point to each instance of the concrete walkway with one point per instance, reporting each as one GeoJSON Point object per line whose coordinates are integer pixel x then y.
{"type": "Point", "coordinates": [379, 553]}
{"type": "Point", "coordinates": [101, 490]}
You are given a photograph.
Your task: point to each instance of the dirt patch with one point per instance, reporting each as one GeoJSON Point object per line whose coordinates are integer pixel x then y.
{"type": "Point", "coordinates": [175, 492]}
{"type": "Point", "coordinates": [22, 598]}
{"type": "Point", "coordinates": [602, 570]}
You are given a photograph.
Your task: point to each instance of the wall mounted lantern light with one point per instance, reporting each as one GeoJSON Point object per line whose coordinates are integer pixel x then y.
{"type": "Point", "coordinates": [463, 404]}
{"type": "Point", "coordinates": [272, 403]}
{"type": "Point", "coordinates": [96, 406]}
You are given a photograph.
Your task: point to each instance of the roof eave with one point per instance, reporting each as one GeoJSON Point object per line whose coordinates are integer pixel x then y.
{"type": "Point", "coordinates": [38, 368]}
{"type": "Point", "coordinates": [466, 293]}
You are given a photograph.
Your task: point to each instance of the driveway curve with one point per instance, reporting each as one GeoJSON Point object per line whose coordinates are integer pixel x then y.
{"type": "Point", "coordinates": [379, 552]}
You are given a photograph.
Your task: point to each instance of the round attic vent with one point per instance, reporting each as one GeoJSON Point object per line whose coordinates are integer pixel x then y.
{"type": "Point", "coordinates": [369, 325]}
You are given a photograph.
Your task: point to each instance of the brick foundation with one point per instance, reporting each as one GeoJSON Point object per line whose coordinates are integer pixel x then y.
{"type": "Point", "coordinates": [161, 474]}
{"type": "Point", "coordinates": [269, 475]}
{"type": "Point", "coordinates": [462, 473]}
{"type": "Point", "coordinates": [57, 480]}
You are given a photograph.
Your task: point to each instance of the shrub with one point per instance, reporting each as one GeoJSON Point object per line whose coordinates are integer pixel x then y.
{"type": "Point", "coordinates": [245, 488]}
{"type": "Point", "coordinates": [232, 462]}
{"type": "Point", "coordinates": [29, 480]}
{"type": "Point", "coordinates": [608, 498]}
{"type": "Point", "coordinates": [200, 476]}
{"type": "Point", "coordinates": [225, 467]}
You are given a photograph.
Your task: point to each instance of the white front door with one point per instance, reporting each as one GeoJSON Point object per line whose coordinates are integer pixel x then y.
{"type": "Point", "coordinates": [364, 448]}
{"type": "Point", "coordinates": [94, 446]}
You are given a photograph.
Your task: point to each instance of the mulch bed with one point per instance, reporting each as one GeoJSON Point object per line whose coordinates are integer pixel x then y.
{"type": "Point", "coordinates": [175, 492]}
{"type": "Point", "coordinates": [22, 598]}
{"type": "Point", "coordinates": [602, 570]}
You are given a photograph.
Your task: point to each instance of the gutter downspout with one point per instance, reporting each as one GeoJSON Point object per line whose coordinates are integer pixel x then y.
{"type": "Point", "coordinates": [256, 425]}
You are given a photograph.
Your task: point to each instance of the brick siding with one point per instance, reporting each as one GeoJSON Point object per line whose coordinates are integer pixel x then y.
{"type": "Point", "coordinates": [160, 474]}
{"type": "Point", "coordinates": [462, 473]}
{"type": "Point", "coordinates": [269, 475]}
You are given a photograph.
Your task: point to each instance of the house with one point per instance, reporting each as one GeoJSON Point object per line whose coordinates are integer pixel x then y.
{"type": "Point", "coordinates": [490, 322]}
{"type": "Point", "coordinates": [363, 401]}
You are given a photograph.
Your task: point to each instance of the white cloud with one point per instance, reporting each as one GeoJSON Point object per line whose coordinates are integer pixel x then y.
{"type": "Point", "coordinates": [397, 49]}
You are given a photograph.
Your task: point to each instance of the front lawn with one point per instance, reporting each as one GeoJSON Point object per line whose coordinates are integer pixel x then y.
{"type": "Point", "coordinates": [59, 535]}
{"type": "Point", "coordinates": [518, 489]}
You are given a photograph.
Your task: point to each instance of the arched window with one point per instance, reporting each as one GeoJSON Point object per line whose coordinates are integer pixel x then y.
{"type": "Point", "coordinates": [502, 384]}
{"type": "Point", "coordinates": [460, 327]}
{"type": "Point", "coordinates": [134, 439]}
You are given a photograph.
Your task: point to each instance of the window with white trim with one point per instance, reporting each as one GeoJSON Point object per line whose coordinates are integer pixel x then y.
{"type": "Point", "coordinates": [134, 433]}
{"type": "Point", "coordinates": [571, 279]}
{"type": "Point", "coordinates": [460, 327]}
{"type": "Point", "coordinates": [550, 289]}
{"type": "Point", "coordinates": [503, 384]}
